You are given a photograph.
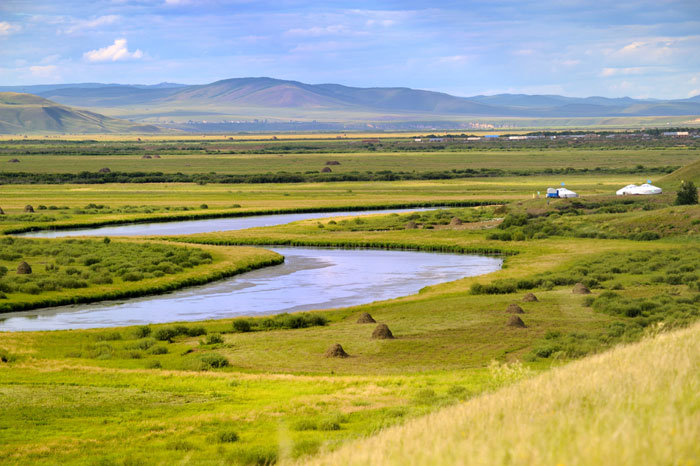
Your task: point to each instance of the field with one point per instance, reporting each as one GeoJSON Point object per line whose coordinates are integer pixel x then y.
{"type": "Point", "coordinates": [261, 390]}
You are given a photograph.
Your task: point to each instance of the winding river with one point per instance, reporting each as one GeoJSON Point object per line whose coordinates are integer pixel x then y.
{"type": "Point", "coordinates": [310, 278]}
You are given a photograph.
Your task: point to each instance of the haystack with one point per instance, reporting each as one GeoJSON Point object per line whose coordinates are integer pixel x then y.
{"type": "Point", "coordinates": [455, 221]}
{"type": "Point", "coordinates": [530, 298]}
{"type": "Point", "coordinates": [515, 321]}
{"type": "Point", "coordinates": [156, 156]}
{"type": "Point", "coordinates": [326, 170]}
{"type": "Point", "coordinates": [14, 160]}
{"type": "Point", "coordinates": [514, 309]}
{"type": "Point", "coordinates": [146, 157]}
{"type": "Point", "coordinates": [2, 212]}
{"type": "Point", "coordinates": [382, 332]}
{"type": "Point", "coordinates": [336, 351]}
{"type": "Point", "coordinates": [104, 170]}
{"type": "Point", "coordinates": [28, 208]}
{"type": "Point", "coordinates": [411, 225]}
{"type": "Point", "coordinates": [365, 318]}
{"type": "Point", "coordinates": [332, 162]}
{"type": "Point", "coordinates": [580, 288]}
{"type": "Point", "coordinates": [24, 269]}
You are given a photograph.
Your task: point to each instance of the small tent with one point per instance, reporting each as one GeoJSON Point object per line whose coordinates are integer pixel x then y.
{"type": "Point", "coordinates": [563, 192]}
{"type": "Point", "coordinates": [644, 189]}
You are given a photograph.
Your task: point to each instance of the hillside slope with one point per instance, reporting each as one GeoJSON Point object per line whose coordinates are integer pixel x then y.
{"type": "Point", "coordinates": [633, 405]}
{"type": "Point", "coordinates": [229, 95]}
{"type": "Point", "coordinates": [688, 173]}
{"type": "Point", "coordinates": [27, 113]}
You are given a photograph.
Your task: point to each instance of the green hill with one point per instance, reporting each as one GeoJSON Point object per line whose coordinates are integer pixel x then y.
{"type": "Point", "coordinates": [27, 113]}
{"type": "Point", "coordinates": [688, 173]}
{"type": "Point", "coordinates": [632, 405]}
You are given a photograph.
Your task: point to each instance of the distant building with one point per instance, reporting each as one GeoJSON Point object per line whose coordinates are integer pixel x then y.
{"type": "Point", "coordinates": [676, 133]}
{"type": "Point", "coordinates": [473, 138]}
{"type": "Point", "coordinates": [517, 138]}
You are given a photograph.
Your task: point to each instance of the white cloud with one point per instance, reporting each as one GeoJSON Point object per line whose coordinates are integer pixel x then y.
{"type": "Point", "coordinates": [694, 92]}
{"type": "Point", "coordinates": [6, 28]}
{"type": "Point", "coordinates": [114, 52]}
{"type": "Point", "coordinates": [46, 71]}
{"type": "Point", "coordinates": [318, 31]}
{"type": "Point", "coordinates": [177, 2]}
{"type": "Point", "coordinates": [380, 22]}
{"type": "Point", "coordinates": [607, 72]}
{"type": "Point", "coordinates": [92, 23]}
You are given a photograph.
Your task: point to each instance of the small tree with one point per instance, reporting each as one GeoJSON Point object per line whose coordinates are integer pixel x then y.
{"type": "Point", "coordinates": [687, 194]}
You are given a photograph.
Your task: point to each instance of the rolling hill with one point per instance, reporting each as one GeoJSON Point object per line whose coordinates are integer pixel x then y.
{"type": "Point", "coordinates": [27, 113]}
{"type": "Point", "coordinates": [232, 94]}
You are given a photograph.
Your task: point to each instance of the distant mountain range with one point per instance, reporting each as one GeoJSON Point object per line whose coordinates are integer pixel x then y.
{"type": "Point", "coordinates": [230, 95]}
{"type": "Point", "coordinates": [20, 113]}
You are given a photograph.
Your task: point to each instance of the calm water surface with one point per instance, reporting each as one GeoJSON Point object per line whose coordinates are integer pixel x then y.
{"type": "Point", "coordinates": [189, 227]}
{"type": "Point", "coordinates": [310, 278]}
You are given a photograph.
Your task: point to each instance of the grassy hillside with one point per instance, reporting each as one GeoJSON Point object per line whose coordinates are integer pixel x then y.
{"type": "Point", "coordinates": [632, 405]}
{"type": "Point", "coordinates": [689, 172]}
{"type": "Point", "coordinates": [26, 113]}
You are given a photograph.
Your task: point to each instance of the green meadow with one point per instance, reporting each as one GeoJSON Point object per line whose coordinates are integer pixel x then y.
{"type": "Point", "coordinates": [605, 272]}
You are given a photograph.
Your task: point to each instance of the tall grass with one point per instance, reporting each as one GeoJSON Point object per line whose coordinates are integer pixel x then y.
{"type": "Point", "coordinates": [633, 405]}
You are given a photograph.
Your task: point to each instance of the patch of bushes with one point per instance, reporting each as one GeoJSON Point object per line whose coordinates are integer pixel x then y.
{"type": "Point", "coordinates": [213, 361]}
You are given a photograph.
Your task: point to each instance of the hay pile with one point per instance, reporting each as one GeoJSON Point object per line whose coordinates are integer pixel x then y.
{"type": "Point", "coordinates": [336, 351]}
{"type": "Point", "coordinates": [515, 321]}
{"type": "Point", "coordinates": [146, 157]}
{"type": "Point", "coordinates": [530, 298]}
{"type": "Point", "coordinates": [14, 160]}
{"type": "Point", "coordinates": [2, 212]}
{"type": "Point", "coordinates": [580, 288]}
{"type": "Point", "coordinates": [28, 208]}
{"type": "Point", "coordinates": [455, 221]}
{"type": "Point", "coordinates": [514, 309]}
{"type": "Point", "coordinates": [326, 170]}
{"type": "Point", "coordinates": [411, 225]}
{"type": "Point", "coordinates": [382, 332]}
{"type": "Point", "coordinates": [365, 318]}
{"type": "Point", "coordinates": [156, 156]}
{"type": "Point", "coordinates": [104, 170]}
{"type": "Point", "coordinates": [24, 269]}
{"type": "Point", "coordinates": [332, 162]}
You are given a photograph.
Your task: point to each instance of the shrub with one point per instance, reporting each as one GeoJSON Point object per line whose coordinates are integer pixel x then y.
{"type": "Point", "coordinates": [213, 361]}
{"type": "Point", "coordinates": [214, 339]}
{"type": "Point", "coordinates": [159, 350]}
{"type": "Point", "coordinates": [304, 424]}
{"type": "Point", "coordinates": [142, 331]}
{"type": "Point", "coordinates": [241, 325]}
{"type": "Point", "coordinates": [227, 436]}
{"type": "Point", "coordinates": [687, 194]}
{"type": "Point", "coordinates": [153, 364]}
{"type": "Point", "coordinates": [112, 336]}
{"type": "Point", "coordinates": [328, 425]}
{"type": "Point", "coordinates": [165, 334]}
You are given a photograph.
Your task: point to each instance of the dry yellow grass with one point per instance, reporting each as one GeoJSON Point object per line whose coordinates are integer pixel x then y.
{"type": "Point", "coordinates": [634, 405]}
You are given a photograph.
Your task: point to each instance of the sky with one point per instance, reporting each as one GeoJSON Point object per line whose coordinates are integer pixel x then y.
{"type": "Point", "coordinates": [636, 48]}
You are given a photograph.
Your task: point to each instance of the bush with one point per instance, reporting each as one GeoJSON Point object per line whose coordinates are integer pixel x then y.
{"type": "Point", "coordinates": [213, 361]}
{"type": "Point", "coordinates": [241, 325]}
{"type": "Point", "coordinates": [156, 350]}
{"type": "Point", "coordinates": [142, 331]}
{"type": "Point", "coordinates": [227, 436]}
{"type": "Point", "coordinates": [214, 339]}
{"type": "Point", "coordinates": [687, 194]}
{"type": "Point", "coordinates": [165, 334]}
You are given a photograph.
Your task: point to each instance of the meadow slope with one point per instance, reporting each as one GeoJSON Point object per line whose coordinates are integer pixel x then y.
{"type": "Point", "coordinates": [636, 404]}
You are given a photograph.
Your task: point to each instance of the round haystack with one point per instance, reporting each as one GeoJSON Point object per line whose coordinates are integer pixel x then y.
{"type": "Point", "coordinates": [14, 160]}
{"type": "Point", "coordinates": [326, 170]}
{"type": "Point", "coordinates": [455, 221]}
{"type": "Point", "coordinates": [2, 212]}
{"type": "Point", "coordinates": [365, 318]}
{"type": "Point", "coordinates": [24, 269]}
{"type": "Point", "coordinates": [580, 288]}
{"type": "Point", "coordinates": [382, 332]}
{"type": "Point", "coordinates": [332, 162]}
{"type": "Point", "coordinates": [156, 156]}
{"type": "Point", "coordinates": [514, 309]}
{"type": "Point", "coordinates": [515, 321]}
{"type": "Point", "coordinates": [411, 225]}
{"type": "Point", "coordinates": [28, 208]}
{"type": "Point", "coordinates": [336, 351]}
{"type": "Point", "coordinates": [104, 170]}
{"type": "Point", "coordinates": [530, 298]}
{"type": "Point", "coordinates": [146, 157]}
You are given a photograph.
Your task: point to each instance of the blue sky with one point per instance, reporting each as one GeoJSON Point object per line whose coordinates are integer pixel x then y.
{"type": "Point", "coordinates": [636, 48]}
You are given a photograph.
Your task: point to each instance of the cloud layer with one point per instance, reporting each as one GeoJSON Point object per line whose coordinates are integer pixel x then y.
{"type": "Point", "coordinates": [115, 52]}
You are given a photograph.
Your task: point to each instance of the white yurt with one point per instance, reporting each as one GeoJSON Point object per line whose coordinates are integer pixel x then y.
{"type": "Point", "coordinates": [563, 192]}
{"type": "Point", "coordinates": [633, 189]}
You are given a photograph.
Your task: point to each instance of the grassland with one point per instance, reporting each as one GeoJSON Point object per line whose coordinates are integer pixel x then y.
{"type": "Point", "coordinates": [609, 408]}
{"type": "Point", "coordinates": [214, 393]}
